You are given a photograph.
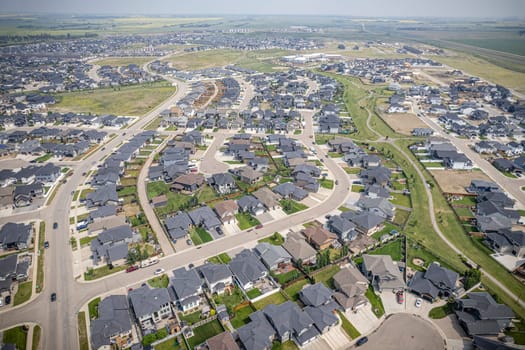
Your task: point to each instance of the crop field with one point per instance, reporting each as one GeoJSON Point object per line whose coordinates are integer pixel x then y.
{"type": "Point", "coordinates": [128, 100]}
{"type": "Point", "coordinates": [513, 46]}
{"type": "Point", "coordinates": [403, 123]}
{"type": "Point", "coordinates": [455, 181]}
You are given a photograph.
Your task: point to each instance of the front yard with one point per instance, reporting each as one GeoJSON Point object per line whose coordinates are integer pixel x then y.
{"type": "Point", "coordinates": [275, 239]}
{"type": "Point", "coordinates": [376, 302]}
{"type": "Point", "coordinates": [245, 221]}
{"type": "Point", "coordinates": [199, 235]}
{"type": "Point", "coordinates": [159, 281]}
{"type": "Point", "coordinates": [290, 206]}
{"type": "Point", "coordinates": [24, 293]}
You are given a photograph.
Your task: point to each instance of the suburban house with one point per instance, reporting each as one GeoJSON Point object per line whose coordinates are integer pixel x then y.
{"type": "Point", "coordinates": [316, 295]}
{"type": "Point", "coordinates": [382, 272]}
{"type": "Point", "coordinates": [289, 190]}
{"type": "Point", "coordinates": [378, 206]}
{"type": "Point", "coordinates": [222, 341]}
{"type": "Point", "coordinates": [187, 183]}
{"type": "Point", "coordinates": [178, 226]}
{"type": "Point", "coordinates": [267, 197]}
{"type": "Point", "coordinates": [258, 334]}
{"type": "Point", "coordinates": [204, 217]}
{"type": "Point", "coordinates": [435, 282]}
{"type": "Point", "coordinates": [247, 269]}
{"type": "Point", "coordinates": [319, 237]}
{"type": "Point", "coordinates": [323, 317]}
{"type": "Point", "coordinates": [351, 287]}
{"type": "Point", "coordinates": [150, 306]}
{"type": "Point", "coordinates": [218, 277]}
{"type": "Point", "coordinates": [16, 236]}
{"type": "Point", "coordinates": [104, 195]}
{"type": "Point", "coordinates": [365, 222]}
{"type": "Point", "coordinates": [250, 204]}
{"type": "Point", "coordinates": [223, 183]}
{"type": "Point", "coordinates": [480, 314]}
{"type": "Point", "coordinates": [248, 175]}
{"type": "Point", "coordinates": [300, 250]}
{"type": "Point", "coordinates": [506, 241]}
{"type": "Point", "coordinates": [272, 256]}
{"type": "Point", "coordinates": [291, 323]}
{"type": "Point", "coordinates": [187, 286]}
{"type": "Point", "coordinates": [226, 211]}
{"type": "Point", "coordinates": [343, 227]}
{"type": "Point", "coordinates": [113, 326]}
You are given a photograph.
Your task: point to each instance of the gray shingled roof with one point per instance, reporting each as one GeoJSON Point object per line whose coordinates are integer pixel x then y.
{"type": "Point", "coordinates": [145, 301]}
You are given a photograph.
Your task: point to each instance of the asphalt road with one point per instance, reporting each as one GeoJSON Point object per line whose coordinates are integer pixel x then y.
{"type": "Point", "coordinates": [405, 331]}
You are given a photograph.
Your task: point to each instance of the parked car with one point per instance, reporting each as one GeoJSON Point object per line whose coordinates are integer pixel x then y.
{"type": "Point", "coordinates": [8, 300]}
{"type": "Point", "coordinates": [189, 242]}
{"type": "Point", "coordinates": [419, 302]}
{"type": "Point", "coordinates": [46, 244]}
{"type": "Point", "coordinates": [259, 226]}
{"type": "Point", "coordinates": [159, 271]}
{"type": "Point", "coordinates": [362, 341]}
{"type": "Point", "coordinates": [53, 296]}
{"type": "Point", "coordinates": [400, 297]}
{"type": "Point", "coordinates": [132, 268]}
{"type": "Point", "coordinates": [1, 302]}
{"type": "Point", "coordinates": [55, 225]}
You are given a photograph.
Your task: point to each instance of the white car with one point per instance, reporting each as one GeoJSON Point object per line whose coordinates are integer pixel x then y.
{"type": "Point", "coordinates": [159, 271]}
{"type": "Point", "coordinates": [419, 302]}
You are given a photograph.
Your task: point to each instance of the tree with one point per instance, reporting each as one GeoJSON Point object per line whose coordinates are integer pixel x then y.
{"type": "Point", "coordinates": [472, 277]}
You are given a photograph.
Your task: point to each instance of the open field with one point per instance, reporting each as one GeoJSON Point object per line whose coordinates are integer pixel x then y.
{"type": "Point", "coordinates": [127, 100]}
{"type": "Point", "coordinates": [403, 123]}
{"type": "Point", "coordinates": [261, 60]}
{"type": "Point", "coordinates": [513, 46]}
{"type": "Point", "coordinates": [455, 181]}
{"type": "Point", "coordinates": [122, 61]}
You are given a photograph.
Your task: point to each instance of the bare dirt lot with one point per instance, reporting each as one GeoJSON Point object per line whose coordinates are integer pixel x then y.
{"type": "Point", "coordinates": [403, 123]}
{"type": "Point", "coordinates": [455, 181]}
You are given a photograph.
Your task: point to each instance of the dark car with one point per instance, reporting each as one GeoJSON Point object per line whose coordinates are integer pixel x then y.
{"type": "Point", "coordinates": [53, 296]}
{"type": "Point", "coordinates": [259, 226]}
{"type": "Point", "coordinates": [46, 244]}
{"type": "Point", "coordinates": [400, 297]}
{"type": "Point", "coordinates": [132, 268]}
{"type": "Point", "coordinates": [55, 225]}
{"type": "Point", "coordinates": [8, 300]}
{"type": "Point", "coordinates": [362, 341]}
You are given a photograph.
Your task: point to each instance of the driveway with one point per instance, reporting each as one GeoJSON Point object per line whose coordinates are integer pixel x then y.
{"type": "Point", "coordinates": [407, 332]}
{"type": "Point", "coordinates": [336, 338]}
{"type": "Point", "coordinates": [364, 320]}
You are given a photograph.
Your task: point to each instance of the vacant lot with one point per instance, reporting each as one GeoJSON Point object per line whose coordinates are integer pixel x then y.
{"type": "Point", "coordinates": [403, 123]}
{"type": "Point", "coordinates": [455, 181]}
{"type": "Point", "coordinates": [127, 100]}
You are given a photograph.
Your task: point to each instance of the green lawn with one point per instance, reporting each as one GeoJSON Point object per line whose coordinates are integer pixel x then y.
{"type": "Point", "coordinates": [466, 200]}
{"type": "Point", "coordinates": [335, 154]}
{"type": "Point", "coordinates": [245, 221]}
{"type": "Point", "coordinates": [384, 231]}
{"type": "Point", "coordinates": [276, 298]}
{"type": "Point", "coordinates": [82, 331]}
{"type": "Point", "coordinates": [159, 281]}
{"type": "Point", "coordinates": [133, 100]}
{"type": "Point", "coordinates": [358, 188]}
{"type": "Point", "coordinates": [325, 276]}
{"type": "Point", "coordinates": [401, 200]}
{"type": "Point", "coordinates": [93, 308]}
{"type": "Point", "coordinates": [394, 249]}
{"type": "Point", "coordinates": [17, 336]}
{"type": "Point", "coordinates": [294, 289]}
{"type": "Point", "coordinates": [441, 311]}
{"type": "Point", "coordinates": [290, 206]}
{"type": "Point", "coordinates": [127, 191]}
{"type": "Point", "coordinates": [349, 328]}
{"type": "Point", "coordinates": [85, 241]}
{"type": "Point", "coordinates": [171, 344]}
{"type": "Point", "coordinates": [103, 271]}
{"type": "Point", "coordinates": [286, 277]}
{"type": "Point", "coordinates": [326, 183]}
{"type": "Point", "coordinates": [464, 212]}
{"type": "Point", "coordinates": [275, 239]}
{"type": "Point", "coordinates": [37, 332]}
{"type": "Point", "coordinates": [204, 332]}
{"type": "Point", "coordinates": [225, 258]}
{"type": "Point", "coordinates": [242, 316]}
{"type": "Point", "coordinates": [230, 300]}
{"type": "Point", "coordinates": [199, 235]}
{"type": "Point", "coordinates": [253, 293]}
{"type": "Point", "coordinates": [24, 293]}
{"type": "Point", "coordinates": [192, 318]}
{"type": "Point", "coordinates": [206, 194]}
{"type": "Point", "coordinates": [40, 259]}
{"type": "Point", "coordinates": [287, 345]}
{"type": "Point", "coordinates": [401, 217]}
{"type": "Point", "coordinates": [376, 302]}
{"type": "Point", "coordinates": [352, 171]}
{"type": "Point", "coordinates": [175, 200]}
{"type": "Point", "coordinates": [44, 158]}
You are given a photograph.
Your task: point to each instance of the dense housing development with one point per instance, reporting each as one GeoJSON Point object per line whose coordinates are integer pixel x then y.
{"type": "Point", "coordinates": [252, 183]}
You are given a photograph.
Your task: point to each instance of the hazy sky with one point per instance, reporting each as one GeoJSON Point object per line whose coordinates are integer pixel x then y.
{"type": "Point", "coordinates": [380, 8]}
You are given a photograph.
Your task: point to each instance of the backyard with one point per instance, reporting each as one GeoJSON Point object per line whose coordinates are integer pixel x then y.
{"type": "Point", "coordinates": [204, 332]}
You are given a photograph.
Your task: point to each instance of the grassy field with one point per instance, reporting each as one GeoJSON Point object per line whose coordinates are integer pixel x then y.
{"type": "Point", "coordinates": [24, 293]}
{"type": "Point", "coordinates": [127, 100]}
{"type": "Point", "coordinates": [17, 336]}
{"type": "Point", "coordinates": [514, 46]}
{"type": "Point", "coordinates": [261, 60]}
